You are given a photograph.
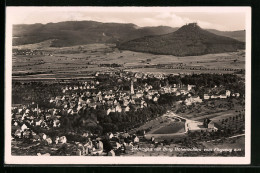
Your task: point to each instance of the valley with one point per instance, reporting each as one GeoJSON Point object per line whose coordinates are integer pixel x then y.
{"type": "Point", "coordinates": [79, 85]}
{"type": "Point", "coordinates": [78, 61]}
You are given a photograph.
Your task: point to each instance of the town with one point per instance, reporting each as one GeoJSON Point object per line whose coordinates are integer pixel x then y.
{"type": "Point", "coordinates": [110, 113]}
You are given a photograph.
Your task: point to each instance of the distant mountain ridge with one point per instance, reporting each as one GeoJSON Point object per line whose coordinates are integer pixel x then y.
{"type": "Point", "coordinates": [239, 35]}
{"type": "Point", "coordinates": [189, 40]}
{"type": "Point", "coordinates": [82, 32]}
{"type": "Point", "coordinates": [72, 33]}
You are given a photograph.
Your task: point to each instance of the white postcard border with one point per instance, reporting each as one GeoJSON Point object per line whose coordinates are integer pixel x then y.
{"type": "Point", "coordinates": [9, 159]}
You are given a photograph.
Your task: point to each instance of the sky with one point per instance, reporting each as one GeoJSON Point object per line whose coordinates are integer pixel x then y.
{"type": "Point", "coordinates": [220, 18]}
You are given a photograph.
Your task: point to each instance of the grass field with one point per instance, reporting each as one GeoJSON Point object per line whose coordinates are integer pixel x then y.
{"type": "Point", "coordinates": [176, 127]}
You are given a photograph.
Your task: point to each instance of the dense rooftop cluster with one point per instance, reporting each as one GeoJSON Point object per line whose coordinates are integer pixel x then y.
{"type": "Point", "coordinates": [88, 111]}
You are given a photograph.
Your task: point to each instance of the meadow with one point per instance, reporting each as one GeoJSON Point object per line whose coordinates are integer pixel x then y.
{"type": "Point", "coordinates": [80, 60]}
{"type": "Point", "coordinates": [176, 127]}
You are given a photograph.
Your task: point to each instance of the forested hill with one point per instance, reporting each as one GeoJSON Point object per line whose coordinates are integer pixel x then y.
{"type": "Point", "coordinates": [189, 40]}
{"type": "Point", "coordinates": [72, 33]}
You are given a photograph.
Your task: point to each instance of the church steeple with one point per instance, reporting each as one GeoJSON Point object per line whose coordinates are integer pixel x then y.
{"type": "Point", "coordinates": [132, 87]}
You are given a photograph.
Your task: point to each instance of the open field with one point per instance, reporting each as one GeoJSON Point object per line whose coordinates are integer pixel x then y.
{"type": "Point", "coordinates": [176, 127]}
{"type": "Point", "coordinates": [80, 60]}
{"type": "Point", "coordinates": [175, 71]}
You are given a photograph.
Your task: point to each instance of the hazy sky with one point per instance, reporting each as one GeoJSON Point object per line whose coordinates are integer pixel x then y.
{"type": "Point", "coordinates": [225, 19]}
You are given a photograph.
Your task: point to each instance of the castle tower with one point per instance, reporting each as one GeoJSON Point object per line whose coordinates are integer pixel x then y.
{"type": "Point", "coordinates": [132, 87]}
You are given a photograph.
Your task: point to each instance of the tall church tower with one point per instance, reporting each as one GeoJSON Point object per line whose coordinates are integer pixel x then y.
{"type": "Point", "coordinates": [132, 87]}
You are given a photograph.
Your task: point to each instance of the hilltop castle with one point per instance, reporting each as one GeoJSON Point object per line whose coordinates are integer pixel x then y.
{"type": "Point", "coordinates": [194, 24]}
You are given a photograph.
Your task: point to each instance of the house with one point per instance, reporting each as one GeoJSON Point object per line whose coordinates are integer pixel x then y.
{"type": "Point", "coordinates": [191, 100]}
{"type": "Point", "coordinates": [108, 111]}
{"type": "Point", "coordinates": [125, 102]}
{"type": "Point", "coordinates": [70, 111]}
{"type": "Point", "coordinates": [177, 93]}
{"type": "Point", "coordinates": [163, 92]}
{"type": "Point", "coordinates": [56, 123]}
{"type": "Point", "coordinates": [173, 89]}
{"type": "Point", "coordinates": [155, 99]}
{"type": "Point", "coordinates": [14, 106]}
{"type": "Point", "coordinates": [193, 126]}
{"type": "Point", "coordinates": [113, 109]}
{"type": "Point", "coordinates": [237, 94]}
{"type": "Point", "coordinates": [150, 75]}
{"type": "Point", "coordinates": [107, 97]}
{"type": "Point", "coordinates": [99, 93]}
{"type": "Point", "coordinates": [118, 108]}
{"type": "Point", "coordinates": [132, 101]}
{"type": "Point", "coordinates": [214, 96]}
{"type": "Point", "coordinates": [110, 135]}
{"type": "Point", "coordinates": [190, 87]}
{"type": "Point", "coordinates": [52, 99]}
{"type": "Point", "coordinates": [76, 87]}
{"type": "Point", "coordinates": [126, 97]}
{"type": "Point", "coordinates": [134, 97]}
{"type": "Point", "coordinates": [138, 75]}
{"type": "Point", "coordinates": [136, 139]}
{"type": "Point", "coordinates": [184, 92]}
{"type": "Point", "coordinates": [110, 102]}
{"type": "Point", "coordinates": [88, 101]}
{"type": "Point", "coordinates": [206, 97]}
{"type": "Point", "coordinates": [24, 127]}
{"type": "Point", "coordinates": [79, 108]}
{"type": "Point", "coordinates": [127, 109]}
{"type": "Point", "coordinates": [223, 96]}
{"type": "Point", "coordinates": [63, 98]}
{"type": "Point", "coordinates": [228, 93]}
{"type": "Point", "coordinates": [158, 76]}
{"type": "Point", "coordinates": [92, 105]}
{"type": "Point", "coordinates": [95, 99]}
{"type": "Point", "coordinates": [58, 98]}
{"type": "Point", "coordinates": [143, 104]}
{"type": "Point", "coordinates": [211, 125]}
{"type": "Point", "coordinates": [139, 94]}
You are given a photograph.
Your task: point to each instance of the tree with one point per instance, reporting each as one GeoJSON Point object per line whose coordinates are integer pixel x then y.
{"type": "Point", "coordinates": [101, 114]}
{"type": "Point", "coordinates": [109, 127]}
{"type": "Point", "coordinates": [107, 119]}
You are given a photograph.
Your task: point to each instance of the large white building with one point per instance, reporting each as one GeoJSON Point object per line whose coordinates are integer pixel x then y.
{"type": "Point", "coordinates": [193, 126]}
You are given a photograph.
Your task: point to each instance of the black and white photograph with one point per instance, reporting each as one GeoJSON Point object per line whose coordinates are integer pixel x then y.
{"type": "Point", "coordinates": [128, 85]}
